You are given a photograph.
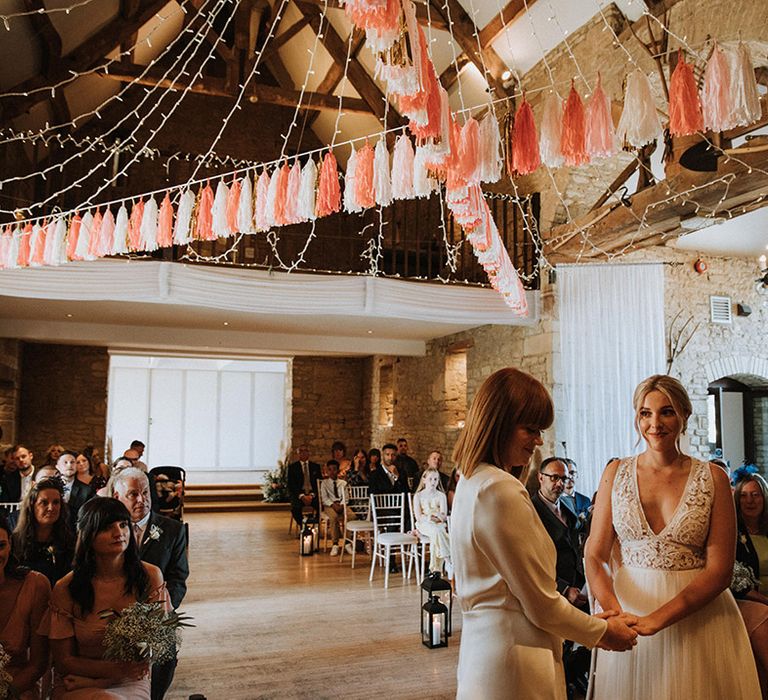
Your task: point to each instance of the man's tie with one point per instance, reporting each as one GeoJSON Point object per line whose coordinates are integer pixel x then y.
{"type": "Point", "coordinates": [137, 533]}
{"type": "Point", "coordinates": [307, 482]}
{"type": "Point", "coordinates": [335, 491]}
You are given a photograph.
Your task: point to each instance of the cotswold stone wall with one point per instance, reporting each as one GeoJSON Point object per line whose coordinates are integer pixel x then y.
{"type": "Point", "coordinates": [63, 397]}
{"type": "Point", "coordinates": [9, 388]}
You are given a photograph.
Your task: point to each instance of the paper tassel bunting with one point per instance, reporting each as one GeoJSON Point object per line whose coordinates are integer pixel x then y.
{"type": "Point", "coordinates": [149, 225]}
{"type": "Point", "coordinates": [382, 178]}
{"type": "Point", "coordinates": [402, 168]}
{"type": "Point", "coordinates": [550, 135]}
{"type": "Point", "coordinates": [525, 144]}
{"type": "Point", "coordinates": [120, 239]}
{"type": "Point", "coordinates": [262, 195]}
{"type": "Point", "coordinates": [245, 206]}
{"type": "Point", "coordinates": [292, 200]}
{"type": "Point", "coordinates": [307, 191]}
{"type": "Point", "coordinates": [350, 191]}
{"type": "Point", "coordinates": [204, 222]}
{"type": "Point", "coordinates": [219, 224]}
{"type": "Point", "coordinates": [716, 93]}
{"type": "Point", "coordinates": [685, 116]}
{"type": "Point", "coordinates": [182, 231]}
{"type": "Point", "coordinates": [574, 130]}
{"type": "Point", "coordinates": [490, 149]}
{"type": "Point", "coordinates": [639, 123]}
{"type": "Point", "coordinates": [745, 100]}
{"type": "Point", "coordinates": [601, 136]}
{"type": "Point", "coordinates": [328, 190]}
{"type": "Point", "coordinates": [165, 223]}
{"type": "Point", "coordinates": [364, 187]}
{"type": "Point", "coordinates": [281, 194]}
{"type": "Point", "coordinates": [74, 234]}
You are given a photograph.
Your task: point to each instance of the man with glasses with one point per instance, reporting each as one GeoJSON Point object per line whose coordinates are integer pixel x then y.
{"type": "Point", "coordinates": [576, 502]}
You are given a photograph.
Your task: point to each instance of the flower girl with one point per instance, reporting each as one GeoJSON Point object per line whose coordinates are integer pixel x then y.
{"type": "Point", "coordinates": [430, 516]}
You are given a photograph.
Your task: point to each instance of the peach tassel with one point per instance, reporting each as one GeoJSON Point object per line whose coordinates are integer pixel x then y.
{"type": "Point", "coordinates": [281, 195]}
{"type": "Point", "coordinates": [204, 223]}
{"type": "Point", "coordinates": [94, 242]}
{"type": "Point", "coordinates": [25, 246]}
{"type": "Point", "coordinates": [685, 116]}
{"type": "Point", "coordinates": [364, 190]}
{"type": "Point", "coordinates": [715, 96]}
{"type": "Point", "coordinates": [73, 235]}
{"type": "Point", "coordinates": [745, 100]}
{"type": "Point", "coordinates": [600, 136]}
{"type": "Point", "coordinates": [292, 200]}
{"type": "Point", "coordinates": [469, 152]}
{"type": "Point", "coordinates": [38, 251]}
{"type": "Point", "coordinates": [106, 234]}
{"type": "Point", "coordinates": [134, 226]}
{"type": "Point", "coordinates": [574, 128]}
{"type": "Point", "coordinates": [165, 223]}
{"type": "Point", "coordinates": [328, 190]}
{"type": "Point", "coordinates": [525, 142]}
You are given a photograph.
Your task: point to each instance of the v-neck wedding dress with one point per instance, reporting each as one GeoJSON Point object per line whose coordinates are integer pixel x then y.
{"type": "Point", "coordinates": [706, 655]}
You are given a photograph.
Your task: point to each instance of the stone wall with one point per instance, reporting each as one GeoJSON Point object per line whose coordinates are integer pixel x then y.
{"type": "Point", "coordinates": [63, 397]}
{"type": "Point", "coordinates": [327, 404]}
{"type": "Point", "coordinates": [760, 431]}
{"type": "Point", "coordinates": [9, 388]}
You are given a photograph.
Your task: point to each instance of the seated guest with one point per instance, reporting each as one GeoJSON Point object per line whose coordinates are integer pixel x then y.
{"type": "Point", "coordinates": [561, 525]}
{"type": "Point", "coordinates": [87, 473]}
{"type": "Point", "coordinates": [374, 460]}
{"type": "Point", "coordinates": [107, 574]}
{"type": "Point", "coordinates": [17, 474]}
{"type": "Point", "coordinates": [750, 495]}
{"type": "Point", "coordinates": [358, 473]}
{"type": "Point", "coordinates": [43, 540]}
{"type": "Point", "coordinates": [407, 464]}
{"type": "Point", "coordinates": [99, 468]}
{"type": "Point", "coordinates": [576, 502]}
{"type": "Point", "coordinates": [333, 499]}
{"type": "Point", "coordinates": [75, 492]}
{"type": "Point", "coordinates": [135, 452]}
{"type": "Point", "coordinates": [389, 478]}
{"type": "Point", "coordinates": [26, 469]}
{"type": "Point", "coordinates": [435, 461]}
{"type": "Point", "coordinates": [46, 472]}
{"type": "Point", "coordinates": [453, 482]}
{"type": "Point", "coordinates": [339, 453]}
{"type": "Point", "coordinates": [162, 542]}
{"type": "Point", "coordinates": [52, 455]}
{"type": "Point", "coordinates": [117, 466]}
{"type": "Point", "coordinates": [303, 476]}
{"type": "Point", "coordinates": [430, 515]}
{"type": "Point", "coordinates": [24, 598]}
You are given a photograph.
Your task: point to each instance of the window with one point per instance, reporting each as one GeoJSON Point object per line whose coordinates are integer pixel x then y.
{"type": "Point", "coordinates": [456, 388]}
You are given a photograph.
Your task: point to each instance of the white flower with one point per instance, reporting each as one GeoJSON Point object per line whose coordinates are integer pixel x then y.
{"type": "Point", "coordinates": [154, 532]}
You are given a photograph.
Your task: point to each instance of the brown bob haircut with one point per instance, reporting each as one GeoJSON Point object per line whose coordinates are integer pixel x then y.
{"type": "Point", "coordinates": [507, 399]}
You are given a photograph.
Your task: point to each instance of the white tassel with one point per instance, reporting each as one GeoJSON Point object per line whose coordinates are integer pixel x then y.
{"type": "Point", "coordinates": [50, 232]}
{"type": "Point", "coordinates": [744, 96]}
{"type": "Point", "coordinates": [84, 238]}
{"type": "Point", "coordinates": [382, 179]}
{"type": "Point", "coordinates": [350, 199]}
{"type": "Point", "coordinates": [490, 149]}
{"type": "Point", "coordinates": [59, 245]}
{"type": "Point", "coordinates": [423, 184]}
{"type": "Point", "coordinates": [551, 128]}
{"type": "Point", "coordinates": [148, 227]}
{"type": "Point", "coordinates": [33, 244]}
{"type": "Point", "coordinates": [380, 41]}
{"type": "Point", "coordinates": [292, 200]}
{"type": "Point", "coordinates": [639, 123]}
{"type": "Point", "coordinates": [269, 210]}
{"type": "Point", "coordinates": [402, 168]}
{"type": "Point", "coordinates": [307, 194]}
{"type": "Point", "coordinates": [219, 211]}
{"type": "Point", "coordinates": [12, 254]}
{"type": "Point", "coordinates": [245, 206]}
{"type": "Point", "coordinates": [121, 232]}
{"type": "Point", "coordinates": [182, 230]}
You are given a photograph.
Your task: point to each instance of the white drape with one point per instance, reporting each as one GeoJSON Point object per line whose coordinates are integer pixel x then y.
{"type": "Point", "coordinates": [611, 338]}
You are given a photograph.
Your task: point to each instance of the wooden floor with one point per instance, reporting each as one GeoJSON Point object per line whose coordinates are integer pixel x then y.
{"type": "Point", "coordinates": [271, 624]}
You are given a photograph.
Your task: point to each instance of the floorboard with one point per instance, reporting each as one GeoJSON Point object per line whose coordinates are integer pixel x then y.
{"type": "Point", "coordinates": [270, 624]}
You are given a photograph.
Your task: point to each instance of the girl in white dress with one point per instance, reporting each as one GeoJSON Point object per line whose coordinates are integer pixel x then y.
{"type": "Point", "coordinates": [673, 519]}
{"type": "Point", "coordinates": [430, 515]}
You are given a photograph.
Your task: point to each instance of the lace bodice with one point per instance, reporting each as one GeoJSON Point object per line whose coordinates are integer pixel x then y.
{"type": "Point", "coordinates": [680, 545]}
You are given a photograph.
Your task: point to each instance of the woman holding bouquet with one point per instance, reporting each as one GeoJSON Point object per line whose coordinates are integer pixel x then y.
{"type": "Point", "coordinates": [107, 575]}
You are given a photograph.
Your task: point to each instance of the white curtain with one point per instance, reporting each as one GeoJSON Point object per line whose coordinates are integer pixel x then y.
{"type": "Point", "coordinates": [611, 338]}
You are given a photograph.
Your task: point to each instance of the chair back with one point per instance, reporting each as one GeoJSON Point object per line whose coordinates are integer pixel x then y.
{"type": "Point", "coordinates": [388, 512]}
{"type": "Point", "coordinates": [10, 507]}
{"type": "Point", "coordinates": [358, 501]}
{"type": "Point", "coordinates": [168, 483]}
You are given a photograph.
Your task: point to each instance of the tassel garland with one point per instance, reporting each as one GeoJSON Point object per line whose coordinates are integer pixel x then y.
{"type": "Point", "coordinates": [364, 186]}
{"type": "Point", "coordinates": [716, 93]}
{"type": "Point", "coordinates": [744, 97]}
{"type": "Point", "coordinates": [600, 140]}
{"type": "Point", "coordinates": [525, 144]}
{"type": "Point", "coordinates": [382, 182]}
{"type": "Point", "coordinates": [328, 190]}
{"type": "Point", "coordinates": [550, 136]}
{"type": "Point", "coordinates": [574, 130]}
{"type": "Point", "coordinates": [639, 123]}
{"type": "Point", "coordinates": [685, 116]}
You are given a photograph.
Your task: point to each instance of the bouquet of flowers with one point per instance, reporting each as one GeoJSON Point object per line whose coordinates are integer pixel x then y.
{"type": "Point", "coordinates": [743, 579]}
{"type": "Point", "coordinates": [143, 632]}
{"type": "Point", "coordinates": [6, 689]}
{"type": "Point", "coordinates": [275, 487]}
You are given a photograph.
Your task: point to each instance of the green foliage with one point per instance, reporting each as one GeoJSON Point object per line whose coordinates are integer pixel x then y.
{"type": "Point", "coordinates": [275, 488]}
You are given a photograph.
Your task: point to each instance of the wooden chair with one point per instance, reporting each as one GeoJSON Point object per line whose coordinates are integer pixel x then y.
{"type": "Point", "coordinates": [388, 511]}
{"type": "Point", "coordinates": [359, 503]}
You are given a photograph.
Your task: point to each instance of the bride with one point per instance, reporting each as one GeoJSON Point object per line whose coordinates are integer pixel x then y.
{"type": "Point", "coordinates": [673, 519]}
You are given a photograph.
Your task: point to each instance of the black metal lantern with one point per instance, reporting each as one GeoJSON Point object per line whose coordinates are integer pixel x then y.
{"type": "Point", "coordinates": [434, 585]}
{"type": "Point", "coordinates": [306, 540]}
{"type": "Point", "coordinates": [434, 624]}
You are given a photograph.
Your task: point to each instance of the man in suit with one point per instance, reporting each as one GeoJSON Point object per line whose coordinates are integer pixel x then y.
{"type": "Point", "coordinates": [18, 472]}
{"type": "Point", "coordinates": [407, 463]}
{"type": "Point", "coordinates": [576, 502]}
{"type": "Point", "coordinates": [303, 476]}
{"type": "Point", "coordinates": [162, 542]}
{"type": "Point", "coordinates": [390, 478]}
{"type": "Point", "coordinates": [561, 525]}
{"type": "Point", "coordinates": [75, 492]}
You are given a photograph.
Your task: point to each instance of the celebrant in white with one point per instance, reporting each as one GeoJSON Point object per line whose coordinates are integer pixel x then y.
{"type": "Point", "coordinates": [673, 518]}
{"type": "Point", "coordinates": [514, 620]}
{"type": "Point", "coordinates": [430, 514]}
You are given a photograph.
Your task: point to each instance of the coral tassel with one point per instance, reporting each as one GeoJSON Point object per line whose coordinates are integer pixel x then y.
{"type": "Point", "coordinates": [382, 182]}
{"type": "Point", "coordinates": [525, 143]}
{"type": "Point", "coordinates": [402, 168]}
{"type": "Point", "coordinates": [95, 242]}
{"type": "Point", "coordinates": [715, 96]}
{"type": "Point", "coordinates": [745, 100]}
{"type": "Point", "coordinates": [364, 185]}
{"type": "Point", "coordinates": [233, 202]}
{"type": "Point", "coordinates": [639, 123]}
{"type": "Point", "coordinates": [685, 116]}
{"type": "Point", "coordinates": [38, 248]}
{"type": "Point", "coordinates": [306, 207]}
{"type": "Point", "coordinates": [574, 128]}
{"type": "Point", "coordinates": [551, 126]}
{"type": "Point", "coordinates": [165, 223]}
{"type": "Point", "coordinates": [74, 234]}
{"type": "Point", "coordinates": [204, 223]}
{"type": "Point", "coordinates": [600, 136]}
{"type": "Point", "coordinates": [328, 191]}
{"type": "Point", "coordinates": [281, 195]}
{"type": "Point", "coordinates": [134, 226]}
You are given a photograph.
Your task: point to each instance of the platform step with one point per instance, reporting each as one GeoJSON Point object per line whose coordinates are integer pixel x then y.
{"type": "Point", "coordinates": [233, 506]}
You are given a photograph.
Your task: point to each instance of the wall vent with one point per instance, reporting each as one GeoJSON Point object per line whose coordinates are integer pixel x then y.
{"type": "Point", "coordinates": [720, 309]}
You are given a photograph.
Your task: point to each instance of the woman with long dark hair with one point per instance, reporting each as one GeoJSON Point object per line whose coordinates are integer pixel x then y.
{"type": "Point", "coordinates": [87, 471]}
{"type": "Point", "coordinates": [43, 539]}
{"type": "Point", "coordinates": [358, 474]}
{"type": "Point", "coordinates": [107, 574]}
{"type": "Point", "coordinates": [23, 600]}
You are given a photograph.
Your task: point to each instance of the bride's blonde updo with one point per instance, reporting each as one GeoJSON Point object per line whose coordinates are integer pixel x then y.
{"type": "Point", "coordinates": [672, 389]}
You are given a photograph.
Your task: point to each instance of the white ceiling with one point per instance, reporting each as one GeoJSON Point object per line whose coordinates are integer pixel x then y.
{"type": "Point", "coordinates": [744, 236]}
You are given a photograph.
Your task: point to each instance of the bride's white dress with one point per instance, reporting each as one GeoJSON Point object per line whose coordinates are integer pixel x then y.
{"type": "Point", "coordinates": [707, 655]}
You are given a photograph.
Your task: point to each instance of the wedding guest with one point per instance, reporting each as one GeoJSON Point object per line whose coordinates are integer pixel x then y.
{"type": "Point", "coordinates": [374, 460]}
{"type": "Point", "coordinates": [43, 540]}
{"type": "Point", "coordinates": [52, 455]}
{"type": "Point", "coordinates": [26, 469]}
{"type": "Point", "coordinates": [407, 464]}
{"type": "Point", "coordinates": [99, 467]}
{"type": "Point", "coordinates": [107, 575]}
{"type": "Point", "coordinates": [389, 478]}
{"type": "Point", "coordinates": [133, 457]}
{"type": "Point", "coordinates": [87, 473]}
{"type": "Point", "coordinates": [17, 474]}
{"type": "Point", "coordinates": [333, 499]}
{"type": "Point", "coordinates": [576, 502]}
{"type": "Point", "coordinates": [117, 466]}
{"type": "Point", "coordinates": [24, 598]}
{"type": "Point", "coordinates": [339, 453]}
{"type": "Point", "coordinates": [453, 482]}
{"type": "Point", "coordinates": [515, 620]}
{"type": "Point", "coordinates": [46, 472]}
{"type": "Point", "coordinates": [358, 474]}
{"type": "Point", "coordinates": [138, 447]}
{"type": "Point", "coordinates": [76, 493]}
{"type": "Point", "coordinates": [162, 542]}
{"type": "Point", "coordinates": [435, 461]}
{"type": "Point", "coordinates": [303, 476]}
{"type": "Point", "coordinates": [430, 515]}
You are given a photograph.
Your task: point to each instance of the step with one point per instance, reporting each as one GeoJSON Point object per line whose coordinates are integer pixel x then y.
{"type": "Point", "coordinates": [234, 506]}
{"type": "Point", "coordinates": [222, 495]}
{"type": "Point", "coordinates": [221, 487]}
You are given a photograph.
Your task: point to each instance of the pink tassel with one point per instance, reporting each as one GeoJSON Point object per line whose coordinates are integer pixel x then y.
{"type": "Point", "coordinates": [402, 168]}
{"type": "Point", "coordinates": [38, 251]}
{"type": "Point", "coordinates": [364, 190]}
{"type": "Point", "coordinates": [134, 226]}
{"type": "Point", "coordinates": [25, 246]}
{"type": "Point", "coordinates": [94, 242]}
{"type": "Point", "coordinates": [551, 132]}
{"type": "Point", "coordinates": [715, 96]}
{"type": "Point", "coordinates": [639, 123]}
{"type": "Point", "coordinates": [525, 143]}
{"type": "Point", "coordinates": [165, 223]}
{"type": "Point", "coordinates": [281, 195]}
{"type": "Point", "coordinates": [106, 234]}
{"type": "Point", "coordinates": [745, 100]}
{"type": "Point", "coordinates": [685, 116]}
{"type": "Point", "coordinates": [600, 136]}
{"type": "Point", "coordinates": [574, 127]}
{"type": "Point", "coordinates": [262, 192]}
{"type": "Point", "coordinates": [74, 234]}
{"type": "Point", "coordinates": [204, 223]}
{"type": "Point", "coordinates": [328, 190]}
{"type": "Point", "coordinates": [292, 200]}
{"type": "Point", "coordinates": [469, 152]}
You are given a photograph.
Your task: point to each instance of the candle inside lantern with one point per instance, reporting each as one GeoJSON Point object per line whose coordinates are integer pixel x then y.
{"type": "Point", "coordinates": [308, 543]}
{"type": "Point", "coordinates": [436, 631]}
